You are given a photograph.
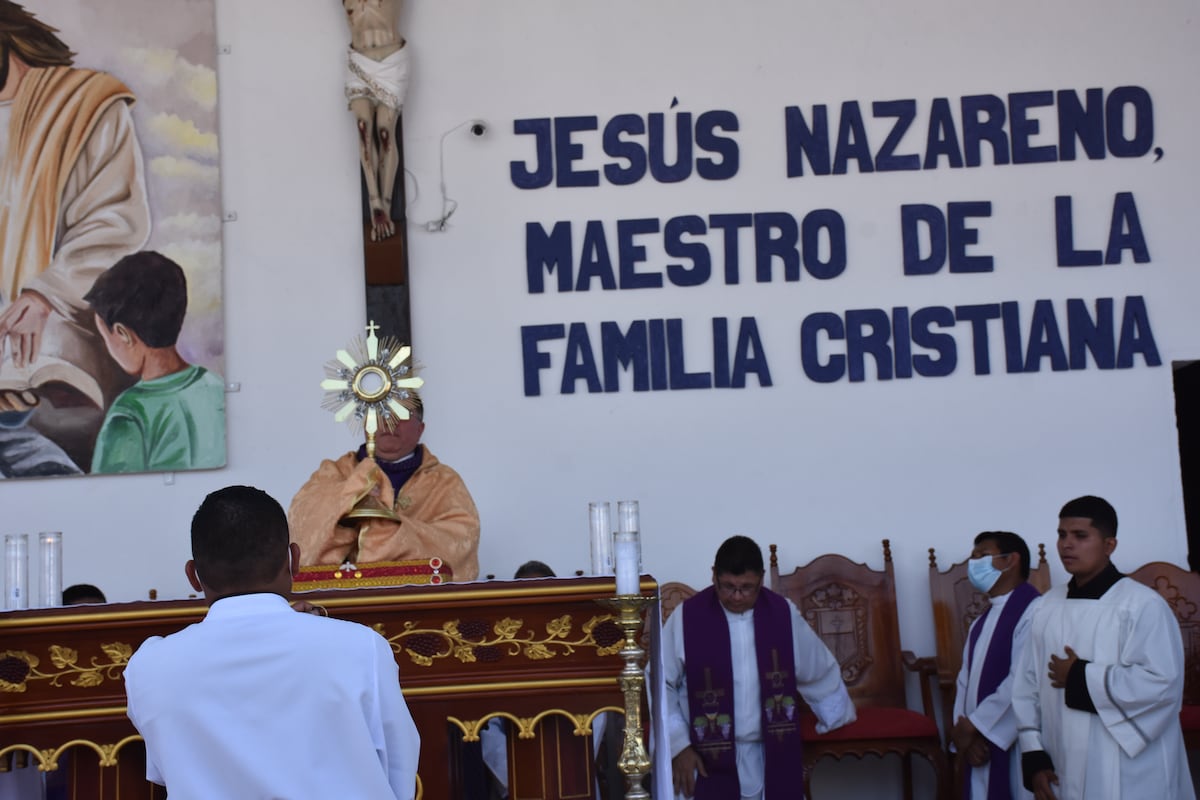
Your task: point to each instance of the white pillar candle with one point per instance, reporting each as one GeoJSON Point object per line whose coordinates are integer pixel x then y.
{"type": "Point", "coordinates": [627, 549]}
{"type": "Point", "coordinates": [601, 538]}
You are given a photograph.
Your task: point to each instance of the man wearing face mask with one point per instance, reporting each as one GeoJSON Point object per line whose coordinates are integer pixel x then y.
{"type": "Point", "coordinates": [985, 729]}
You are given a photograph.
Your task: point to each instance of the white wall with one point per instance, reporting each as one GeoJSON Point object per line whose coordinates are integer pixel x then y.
{"type": "Point", "coordinates": [927, 462]}
{"type": "Point", "coordinates": [814, 467]}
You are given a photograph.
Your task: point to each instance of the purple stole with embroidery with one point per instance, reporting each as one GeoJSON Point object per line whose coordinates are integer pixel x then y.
{"type": "Point", "coordinates": [709, 669]}
{"type": "Point", "coordinates": [996, 664]}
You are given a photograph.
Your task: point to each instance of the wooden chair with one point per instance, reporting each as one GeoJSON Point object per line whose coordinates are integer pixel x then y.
{"type": "Point", "coordinates": [956, 605]}
{"type": "Point", "coordinates": [671, 594]}
{"type": "Point", "coordinates": [853, 609]}
{"type": "Point", "coordinates": [1181, 589]}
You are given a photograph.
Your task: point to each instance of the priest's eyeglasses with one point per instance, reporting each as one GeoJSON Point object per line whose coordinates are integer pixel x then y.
{"type": "Point", "coordinates": [744, 589]}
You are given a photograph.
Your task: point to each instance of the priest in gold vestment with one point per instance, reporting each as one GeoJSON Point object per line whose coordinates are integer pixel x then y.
{"type": "Point", "coordinates": [436, 516]}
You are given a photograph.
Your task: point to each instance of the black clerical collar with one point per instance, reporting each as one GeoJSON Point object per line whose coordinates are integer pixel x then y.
{"type": "Point", "coordinates": [1096, 587]}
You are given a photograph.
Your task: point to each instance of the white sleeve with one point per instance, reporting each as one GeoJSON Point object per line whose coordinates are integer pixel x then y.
{"type": "Point", "coordinates": [819, 676]}
{"type": "Point", "coordinates": [493, 741]}
{"type": "Point", "coordinates": [960, 688]}
{"type": "Point", "coordinates": [1026, 685]}
{"type": "Point", "coordinates": [401, 741]}
{"type": "Point", "coordinates": [994, 716]}
{"type": "Point", "coordinates": [1138, 697]}
{"type": "Point", "coordinates": [133, 711]}
{"type": "Point", "coordinates": [675, 678]}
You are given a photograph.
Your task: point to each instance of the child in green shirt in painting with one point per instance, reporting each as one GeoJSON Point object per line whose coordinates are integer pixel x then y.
{"type": "Point", "coordinates": [173, 418]}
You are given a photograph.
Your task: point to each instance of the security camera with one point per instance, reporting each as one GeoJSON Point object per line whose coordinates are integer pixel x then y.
{"type": "Point", "coordinates": [478, 128]}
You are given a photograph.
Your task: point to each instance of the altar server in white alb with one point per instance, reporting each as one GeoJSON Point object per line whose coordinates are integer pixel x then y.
{"type": "Point", "coordinates": [985, 728]}
{"type": "Point", "coordinates": [1098, 694]}
{"type": "Point", "coordinates": [261, 701]}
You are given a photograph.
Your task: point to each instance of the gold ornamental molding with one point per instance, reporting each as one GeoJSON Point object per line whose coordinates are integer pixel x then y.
{"type": "Point", "coordinates": [18, 668]}
{"type": "Point", "coordinates": [478, 641]}
{"type": "Point", "coordinates": [471, 591]}
{"type": "Point", "coordinates": [48, 759]}
{"type": "Point", "coordinates": [75, 714]}
{"type": "Point", "coordinates": [501, 686]}
{"type": "Point", "coordinates": [185, 614]}
{"type": "Point", "coordinates": [526, 725]}
{"type": "Point", "coordinates": [196, 612]}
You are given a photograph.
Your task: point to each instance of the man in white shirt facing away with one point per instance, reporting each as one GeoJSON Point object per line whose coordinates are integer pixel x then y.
{"type": "Point", "coordinates": [258, 700]}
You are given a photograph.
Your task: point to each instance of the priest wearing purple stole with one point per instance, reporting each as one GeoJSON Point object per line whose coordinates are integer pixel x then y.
{"type": "Point", "coordinates": [738, 658]}
{"type": "Point", "coordinates": [985, 728]}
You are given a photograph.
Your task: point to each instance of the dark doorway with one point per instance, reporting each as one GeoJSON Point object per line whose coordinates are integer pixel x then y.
{"type": "Point", "coordinates": [1186, 375]}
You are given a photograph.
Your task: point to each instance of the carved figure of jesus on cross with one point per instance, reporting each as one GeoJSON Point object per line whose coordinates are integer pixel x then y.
{"type": "Point", "coordinates": [375, 88]}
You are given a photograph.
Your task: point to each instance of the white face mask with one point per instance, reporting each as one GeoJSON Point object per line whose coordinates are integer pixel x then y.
{"type": "Point", "coordinates": [982, 574]}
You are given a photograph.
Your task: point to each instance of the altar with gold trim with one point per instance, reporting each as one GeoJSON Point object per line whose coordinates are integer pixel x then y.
{"type": "Point", "coordinates": [532, 652]}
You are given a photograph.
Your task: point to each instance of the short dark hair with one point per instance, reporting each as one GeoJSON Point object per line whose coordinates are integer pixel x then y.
{"type": "Point", "coordinates": [415, 406]}
{"type": "Point", "coordinates": [738, 555]}
{"type": "Point", "coordinates": [239, 539]}
{"type": "Point", "coordinates": [534, 569]}
{"type": "Point", "coordinates": [1097, 509]}
{"type": "Point", "coordinates": [147, 293]}
{"type": "Point", "coordinates": [82, 593]}
{"type": "Point", "coordinates": [35, 42]}
{"type": "Point", "coordinates": [1007, 542]}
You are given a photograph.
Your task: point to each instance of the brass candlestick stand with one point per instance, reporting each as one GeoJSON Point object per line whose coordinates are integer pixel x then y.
{"type": "Point", "coordinates": [634, 762]}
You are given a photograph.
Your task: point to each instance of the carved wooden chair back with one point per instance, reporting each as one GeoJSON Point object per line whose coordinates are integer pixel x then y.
{"type": "Point", "coordinates": [1181, 590]}
{"type": "Point", "coordinates": [853, 609]}
{"type": "Point", "coordinates": [956, 604]}
{"type": "Point", "coordinates": [671, 594]}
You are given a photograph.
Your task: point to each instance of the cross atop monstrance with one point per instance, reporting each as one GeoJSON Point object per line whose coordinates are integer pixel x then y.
{"type": "Point", "coordinates": [369, 382]}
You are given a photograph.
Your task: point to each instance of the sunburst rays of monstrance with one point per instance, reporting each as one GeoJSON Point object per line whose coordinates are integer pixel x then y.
{"type": "Point", "coordinates": [369, 383]}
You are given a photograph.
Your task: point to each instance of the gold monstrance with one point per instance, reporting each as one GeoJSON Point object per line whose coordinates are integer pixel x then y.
{"type": "Point", "coordinates": [367, 382]}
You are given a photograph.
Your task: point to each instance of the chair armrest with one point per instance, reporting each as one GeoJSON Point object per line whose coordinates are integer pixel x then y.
{"type": "Point", "coordinates": [926, 665]}
{"type": "Point", "coordinates": [926, 668]}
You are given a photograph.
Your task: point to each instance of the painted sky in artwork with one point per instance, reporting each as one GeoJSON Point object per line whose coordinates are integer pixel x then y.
{"type": "Point", "coordinates": [165, 51]}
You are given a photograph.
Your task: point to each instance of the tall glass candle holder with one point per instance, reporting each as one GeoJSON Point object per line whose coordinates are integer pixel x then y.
{"type": "Point", "coordinates": [627, 516]}
{"type": "Point", "coordinates": [50, 586]}
{"type": "Point", "coordinates": [628, 521]}
{"type": "Point", "coordinates": [601, 538]}
{"type": "Point", "coordinates": [16, 571]}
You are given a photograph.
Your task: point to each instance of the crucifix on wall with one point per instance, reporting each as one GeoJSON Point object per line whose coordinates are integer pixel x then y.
{"type": "Point", "coordinates": [376, 84]}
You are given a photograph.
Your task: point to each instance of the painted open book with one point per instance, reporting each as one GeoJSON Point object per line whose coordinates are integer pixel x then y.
{"type": "Point", "coordinates": [53, 379]}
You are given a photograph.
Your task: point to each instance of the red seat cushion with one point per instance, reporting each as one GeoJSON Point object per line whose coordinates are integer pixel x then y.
{"type": "Point", "coordinates": [873, 723]}
{"type": "Point", "coordinates": [1189, 717]}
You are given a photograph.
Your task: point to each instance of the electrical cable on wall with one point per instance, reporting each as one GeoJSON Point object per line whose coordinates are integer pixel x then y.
{"type": "Point", "coordinates": [477, 128]}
